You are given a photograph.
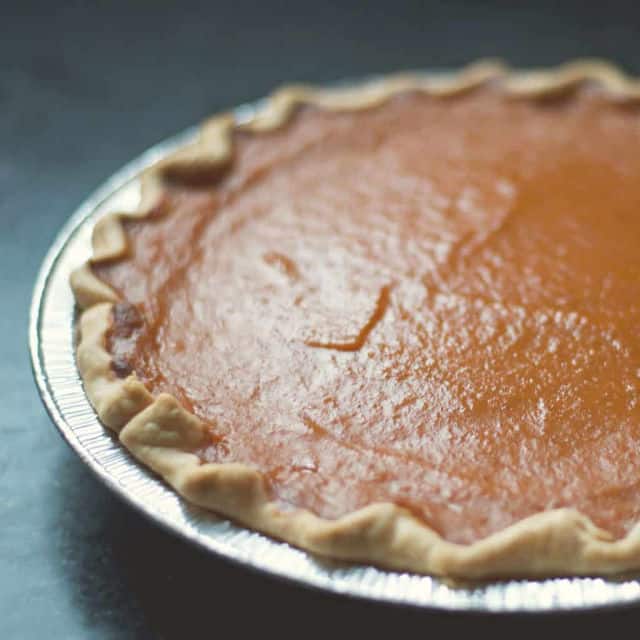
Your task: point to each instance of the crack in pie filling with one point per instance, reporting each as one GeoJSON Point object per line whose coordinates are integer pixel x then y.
{"type": "Point", "coordinates": [401, 328]}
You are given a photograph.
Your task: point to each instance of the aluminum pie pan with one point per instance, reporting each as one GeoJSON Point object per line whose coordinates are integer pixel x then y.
{"type": "Point", "coordinates": [51, 340]}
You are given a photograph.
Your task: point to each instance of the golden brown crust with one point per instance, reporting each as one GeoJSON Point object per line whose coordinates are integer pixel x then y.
{"type": "Point", "coordinates": [165, 437]}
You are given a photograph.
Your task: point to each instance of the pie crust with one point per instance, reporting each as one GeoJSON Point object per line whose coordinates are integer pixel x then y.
{"type": "Point", "coordinates": [164, 436]}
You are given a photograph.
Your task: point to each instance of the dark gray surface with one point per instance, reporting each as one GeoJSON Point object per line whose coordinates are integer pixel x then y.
{"type": "Point", "coordinates": [83, 88]}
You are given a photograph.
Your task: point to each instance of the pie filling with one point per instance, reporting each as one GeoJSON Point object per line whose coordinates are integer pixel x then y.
{"type": "Point", "coordinates": [434, 302]}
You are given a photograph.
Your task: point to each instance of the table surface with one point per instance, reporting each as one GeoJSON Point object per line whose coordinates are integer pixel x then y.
{"type": "Point", "coordinates": [84, 87]}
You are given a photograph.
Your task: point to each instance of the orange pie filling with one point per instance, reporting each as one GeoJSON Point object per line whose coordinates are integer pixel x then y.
{"type": "Point", "coordinates": [434, 302]}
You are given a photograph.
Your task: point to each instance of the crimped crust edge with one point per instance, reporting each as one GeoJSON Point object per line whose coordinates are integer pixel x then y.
{"type": "Point", "coordinates": [164, 436]}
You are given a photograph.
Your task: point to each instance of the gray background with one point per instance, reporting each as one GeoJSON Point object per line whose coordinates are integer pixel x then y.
{"type": "Point", "coordinates": [84, 87]}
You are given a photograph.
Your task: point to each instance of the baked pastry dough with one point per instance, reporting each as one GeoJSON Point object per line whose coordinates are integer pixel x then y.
{"type": "Point", "coordinates": [493, 453]}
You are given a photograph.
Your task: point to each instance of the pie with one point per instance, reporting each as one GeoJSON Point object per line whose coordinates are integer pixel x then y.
{"type": "Point", "coordinates": [395, 323]}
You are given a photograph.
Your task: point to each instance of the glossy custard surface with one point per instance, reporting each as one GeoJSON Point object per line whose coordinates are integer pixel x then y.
{"type": "Point", "coordinates": [434, 302]}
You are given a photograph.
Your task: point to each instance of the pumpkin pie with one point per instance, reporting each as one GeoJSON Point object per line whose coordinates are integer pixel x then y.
{"type": "Point", "coordinates": [396, 323]}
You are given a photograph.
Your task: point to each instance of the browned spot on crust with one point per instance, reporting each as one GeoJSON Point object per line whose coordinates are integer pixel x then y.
{"type": "Point", "coordinates": [126, 326]}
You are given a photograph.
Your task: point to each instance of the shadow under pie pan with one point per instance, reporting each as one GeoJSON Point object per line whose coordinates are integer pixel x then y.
{"type": "Point", "coordinates": [52, 345]}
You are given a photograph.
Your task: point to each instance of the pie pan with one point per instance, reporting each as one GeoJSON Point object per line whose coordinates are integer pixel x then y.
{"type": "Point", "coordinates": [51, 338]}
